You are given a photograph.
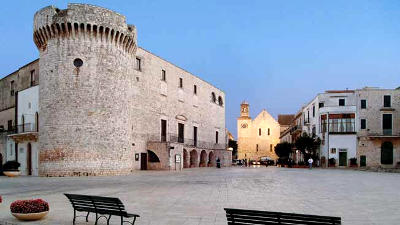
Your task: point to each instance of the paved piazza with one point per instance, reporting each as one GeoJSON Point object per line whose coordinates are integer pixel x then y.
{"type": "Point", "coordinates": [198, 196]}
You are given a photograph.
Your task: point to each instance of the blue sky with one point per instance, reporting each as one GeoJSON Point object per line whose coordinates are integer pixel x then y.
{"type": "Point", "coordinates": [276, 55]}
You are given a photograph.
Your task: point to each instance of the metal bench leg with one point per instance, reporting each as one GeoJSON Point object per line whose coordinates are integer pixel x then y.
{"type": "Point", "coordinates": [108, 220]}
{"type": "Point", "coordinates": [87, 217]}
{"type": "Point", "coordinates": [97, 218]}
{"type": "Point", "coordinates": [134, 220]}
{"type": "Point", "coordinates": [73, 220]}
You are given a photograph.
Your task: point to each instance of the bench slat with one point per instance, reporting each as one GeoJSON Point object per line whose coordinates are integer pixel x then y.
{"type": "Point", "coordinates": [248, 217]}
{"type": "Point", "coordinates": [293, 217]}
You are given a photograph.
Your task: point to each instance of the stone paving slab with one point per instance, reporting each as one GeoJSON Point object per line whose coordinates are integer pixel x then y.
{"type": "Point", "coordinates": [198, 196]}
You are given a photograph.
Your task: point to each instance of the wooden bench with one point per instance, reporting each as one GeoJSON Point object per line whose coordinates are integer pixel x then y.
{"type": "Point", "coordinates": [102, 206]}
{"type": "Point", "coordinates": [242, 216]}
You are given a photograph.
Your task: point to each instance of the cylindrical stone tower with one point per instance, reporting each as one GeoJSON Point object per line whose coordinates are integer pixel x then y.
{"type": "Point", "coordinates": [86, 68]}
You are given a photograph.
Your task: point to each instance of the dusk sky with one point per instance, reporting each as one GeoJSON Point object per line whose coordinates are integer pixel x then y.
{"type": "Point", "coordinates": [276, 55]}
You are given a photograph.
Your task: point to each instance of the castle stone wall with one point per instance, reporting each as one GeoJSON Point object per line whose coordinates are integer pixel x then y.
{"type": "Point", "coordinates": [85, 114]}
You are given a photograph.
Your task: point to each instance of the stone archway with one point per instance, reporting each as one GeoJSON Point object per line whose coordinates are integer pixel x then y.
{"type": "Point", "coordinates": [387, 153]}
{"type": "Point", "coordinates": [194, 161]}
{"type": "Point", "coordinates": [186, 159]}
{"type": "Point", "coordinates": [203, 158]}
{"type": "Point", "coordinates": [211, 159]}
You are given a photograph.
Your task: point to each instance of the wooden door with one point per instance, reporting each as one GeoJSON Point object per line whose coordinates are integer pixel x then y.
{"type": "Point", "coordinates": [342, 158]}
{"type": "Point", "coordinates": [29, 159]}
{"type": "Point", "coordinates": [143, 161]}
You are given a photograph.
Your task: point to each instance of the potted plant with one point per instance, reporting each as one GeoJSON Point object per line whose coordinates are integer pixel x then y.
{"type": "Point", "coordinates": [34, 209]}
{"type": "Point", "coordinates": [332, 162]}
{"type": "Point", "coordinates": [10, 168]}
{"type": "Point", "coordinates": [353, 162]}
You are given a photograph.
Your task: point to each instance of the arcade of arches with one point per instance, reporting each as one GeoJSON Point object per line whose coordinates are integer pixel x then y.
{"type": "Point", "coordinates": [176, 157]}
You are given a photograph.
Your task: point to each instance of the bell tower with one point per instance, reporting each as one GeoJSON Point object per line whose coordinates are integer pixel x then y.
{"type": "Point", "coordinates": [244, 128]}
{"type": "Point", "coordinates": [244, 109]}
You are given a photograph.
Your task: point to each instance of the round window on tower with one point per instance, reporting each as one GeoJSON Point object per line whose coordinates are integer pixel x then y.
{"type": "Point", "coordinates": [78, 62]}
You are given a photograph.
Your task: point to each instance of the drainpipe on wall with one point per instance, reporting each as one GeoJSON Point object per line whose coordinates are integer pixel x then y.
{"type": "Point", "coordinates": [16, 124]}
{"type": "Point", "coordinates": [327, 160]}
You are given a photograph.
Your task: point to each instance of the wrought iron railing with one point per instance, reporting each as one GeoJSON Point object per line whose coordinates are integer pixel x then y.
{"type": "Point", "coordinates": [173, 138]}
{"type": "Point", "coordinates": [24, 128]}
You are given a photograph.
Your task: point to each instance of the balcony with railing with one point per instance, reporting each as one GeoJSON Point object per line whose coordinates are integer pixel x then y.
{"type": "Point", "coordinates": [24, 132]}
{"type": "Point", "coordinates": [384, 133]}
{"type": "Point", "coordinates": [173, 138]}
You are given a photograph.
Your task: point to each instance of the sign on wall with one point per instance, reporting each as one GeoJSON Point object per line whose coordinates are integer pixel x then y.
{"type": "Point", "coordinates": [177, 158]}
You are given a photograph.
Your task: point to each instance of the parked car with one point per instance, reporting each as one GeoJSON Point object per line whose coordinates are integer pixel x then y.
{"type": "Point", "coordinates": [266, 161]}
{"type": "Point", "coordinates": [237, 162]}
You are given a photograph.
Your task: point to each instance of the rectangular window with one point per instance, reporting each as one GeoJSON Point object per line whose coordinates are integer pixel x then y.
{"type": "Point", "coordinates": [270, 147]}
{"type": "Point", "coordinates": [138, 64]}
{"type": "Point", "coordinates": [259, 131]}
{"type": "Point", "coordinates": [387, 124]}
{"type": "Point", "coordinates": [195, 89]}
{"type": "Point", "coordinates": [269, 131]}
{"type": "Point", "coordinates": [163, 130]}
{"type": "Point", "coordinates": [363, 124]}
{"type": "Point", "coordinates": [313, 111]}
{"type": "Point", "coordinates": [257, 147]}
{"type": "Point", "coordinates": [321, 105]}
{"type": "Point", "coordinates": [363, 103]}
{"type": "Point", "coordinates": [341, 123]}
{"type": "Point", "coordinates": [308, 116]}
{"type": "Point", "coordinates": [181, 132]}
{"type": "Point", "coordinates": [333, 150]}
{"type": "Point", "coordinates": [387, 101]}
{"type": "Point", "coordinates": [342, 102]}
{"type": "Point", "coordinates": [195, 136]}
{"type": "Point", "coordinates": [163, 75]}
{"type": "Point", "coordinates": [216, 137]}
{"type": "Point", "coordinates": [180, 82]}
{"type": "Point", "coordinates": [12, 84]}
{"type": "Point", "coordinates": [32, 78]}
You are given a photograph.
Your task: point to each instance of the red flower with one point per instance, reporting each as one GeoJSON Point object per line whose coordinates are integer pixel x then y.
{"type": "Point", "coordinates": [29, 206]}
{"type": "Point", "coordinates": [1, 200]}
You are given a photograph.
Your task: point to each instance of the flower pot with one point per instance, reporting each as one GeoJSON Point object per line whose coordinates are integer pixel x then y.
{"type": "Point", "coordinates": [30, 216]}
{"type": "Point", "coordinates": [12, 173]}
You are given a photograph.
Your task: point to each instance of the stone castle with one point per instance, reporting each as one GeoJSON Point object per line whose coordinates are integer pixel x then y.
{"type": "Point", "coordinates": [104, 105]}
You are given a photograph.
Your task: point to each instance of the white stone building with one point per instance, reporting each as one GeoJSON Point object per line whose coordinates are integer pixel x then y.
{"type": "Point", "coordinates": [332, 117]}
{"type": "Point", "coordinates": [360, 126]}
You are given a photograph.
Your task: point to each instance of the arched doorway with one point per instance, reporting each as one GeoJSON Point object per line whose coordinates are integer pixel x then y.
{"type": "Point", "coordinates": [29, 159]}
{"type": "Point", "coordinates": [203, 158]}
{"type": "Point", "coordinates": [387, 153]}
{"type": "Point", "coordinates": [211, 159]}
{"type": "Point", "coordinates": [186, 159]}
{"type": "Point", "coordinates": [194, 162]}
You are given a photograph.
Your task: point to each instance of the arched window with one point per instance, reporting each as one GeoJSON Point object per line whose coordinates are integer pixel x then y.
{"type": "Point", "coordinates": [213, 97]}
{"type": "Point", "coordinates": [387, 153]}
{"type": "Point", "coordinates": [153, 157]}
{"type": "Point", "coordinates": [220, 101]}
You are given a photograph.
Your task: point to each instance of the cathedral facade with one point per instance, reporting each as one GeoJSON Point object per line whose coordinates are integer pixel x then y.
{"type": "Point", "coordinates": [257, 138]}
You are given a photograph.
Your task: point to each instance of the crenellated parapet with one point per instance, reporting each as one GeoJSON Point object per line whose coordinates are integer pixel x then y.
{"type": "Point", "coordinates": [82, 21]}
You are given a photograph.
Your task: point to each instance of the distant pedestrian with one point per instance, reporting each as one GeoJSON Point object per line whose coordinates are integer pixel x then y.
{"type": "Point", "coordinates": [310, 161]}
{"type": "Point", "coordinates": [218, 163]}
